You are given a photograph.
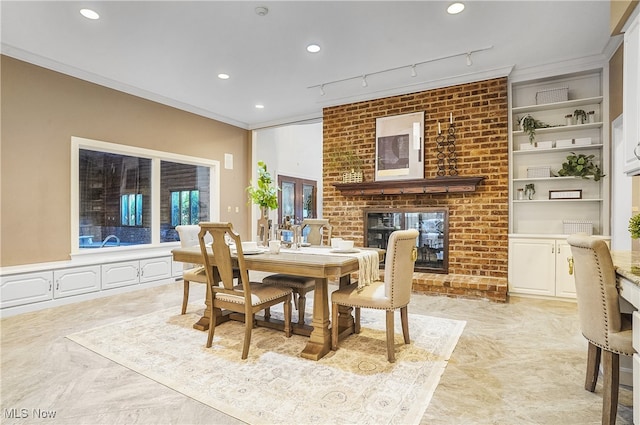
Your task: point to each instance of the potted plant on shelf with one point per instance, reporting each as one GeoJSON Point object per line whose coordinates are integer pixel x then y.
{"type": "Point", "coordinates": [580, 166]}
{"type": "Point", "coordinates": [580, 116]}
{"type": "Point", "coordinates": [529, 124]}
{"type": "Point", "coordinates": [347, 160]}
{"type": "Point", "coordinates": [529, 191]}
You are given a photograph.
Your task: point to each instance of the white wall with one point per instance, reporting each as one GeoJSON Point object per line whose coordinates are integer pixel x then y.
{"type": "Point", "coordinates": [293, 150]}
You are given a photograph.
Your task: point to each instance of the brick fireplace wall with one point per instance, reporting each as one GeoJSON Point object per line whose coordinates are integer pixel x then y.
{"type": "Point", "coordinates": [478, 221]}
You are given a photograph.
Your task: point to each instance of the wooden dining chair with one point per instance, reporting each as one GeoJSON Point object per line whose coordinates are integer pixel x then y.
{"type": "Point", "coordinates": [607, 330]}
{"type": "Point", "coordinates": [319, 232]}
{"type": "Point", "coordinates": [246, 297]}
{"type": "Point", "coordinates": [192, 272]}
{"type": "Point", "coordinates": [393, 293]}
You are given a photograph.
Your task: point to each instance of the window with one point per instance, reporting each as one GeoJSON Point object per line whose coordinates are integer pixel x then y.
{"type": "Point", "coordinates": [131, 209]}
{"type": "Point", "coordinates": [185, 208]}
{"type": "Point", "coordinates": [125, 196]}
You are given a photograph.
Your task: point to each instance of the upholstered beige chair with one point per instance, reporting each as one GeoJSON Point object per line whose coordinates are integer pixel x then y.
{"type": "Point", "coordinates": [607, 330]}
{"type": "Point", "coordinates": [319, 232]}
{"type": "Point", "coordinates": [391, 294]}
{"type": "Point", "coordinates": [247, 297]}
{"type": "Point", "coordinates": [192, 272]}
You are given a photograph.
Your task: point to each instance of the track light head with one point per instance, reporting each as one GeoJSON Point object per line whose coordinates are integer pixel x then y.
{"type": "Point", "coordinates": [322, 93]}
{"type": "Point", "coordinates": [469, 62]}
{"type": "Point", "coordinates": [413, 71]}
{"type": "Point", "coordinates": [364, 81]}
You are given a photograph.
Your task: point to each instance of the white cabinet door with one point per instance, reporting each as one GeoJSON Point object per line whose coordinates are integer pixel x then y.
{"type": "Point", "coordinates": [26, 288]}
{"type": "Point", "coordinates": [532, 266]}
{"type": "Point", "coordinates": [155, 269]}
{"type": "Point", "coordinates": [631, 97]}
{"type": "Point", "coordinates": [177, 268]}
{"type": "Point", "coordinates": [565, 282]}
{"type": "Point", "coordinates": [75, 281]}
{"type": "Point", "coordinates": [125, 273]}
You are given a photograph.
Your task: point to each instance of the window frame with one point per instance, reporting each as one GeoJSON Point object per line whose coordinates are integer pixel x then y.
{"type": "Point", "coordinates": [78, 143]}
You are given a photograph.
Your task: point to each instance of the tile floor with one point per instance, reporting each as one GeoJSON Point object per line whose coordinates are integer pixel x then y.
{"type": "Point", "coordinates": [522, 362]}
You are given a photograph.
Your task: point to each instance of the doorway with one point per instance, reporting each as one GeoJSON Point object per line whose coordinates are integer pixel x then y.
{"type": "Point", "coordinates": [297, 199]}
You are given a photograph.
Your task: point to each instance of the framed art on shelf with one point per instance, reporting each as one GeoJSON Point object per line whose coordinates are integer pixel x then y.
{"type": "Point", "coordinates": [400, 147]}
{"type": "Point", "coordinates": [565, 194]}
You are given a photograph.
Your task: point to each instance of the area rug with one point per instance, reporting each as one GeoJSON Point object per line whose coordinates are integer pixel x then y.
{"type": "Point", "coordinates": [354, 384]}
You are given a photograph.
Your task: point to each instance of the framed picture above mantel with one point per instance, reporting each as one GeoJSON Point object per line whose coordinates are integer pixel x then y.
{"type": "Point", "coordinates": [400, 147]}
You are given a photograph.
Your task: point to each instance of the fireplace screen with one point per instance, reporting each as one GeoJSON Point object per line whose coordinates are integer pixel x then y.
{"type": "Point", "coordinates": [432, 241]}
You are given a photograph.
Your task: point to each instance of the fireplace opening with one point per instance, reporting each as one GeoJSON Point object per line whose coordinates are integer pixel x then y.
{"type": "Point", "coordinates": [433, 228]}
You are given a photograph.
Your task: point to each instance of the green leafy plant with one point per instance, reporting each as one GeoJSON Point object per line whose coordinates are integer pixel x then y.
{"type": "Point", "coordinates": [529, 190]}
{"type": "Point", "coordinates": [580, 166]}
{"type": "Point", "coordinates": [634, 226]}
{"type": "Point", "coordinates": [578, 114]}
{"type": "Point", "coordinates": [529, 124]}
{"type": "Point", "coordinates": [346, 160]}
{"type": "Point", "coordinates": [265, 194]}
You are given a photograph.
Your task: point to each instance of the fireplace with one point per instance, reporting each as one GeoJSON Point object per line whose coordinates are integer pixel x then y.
{"type": "Point", "coordinates": [432, 241]}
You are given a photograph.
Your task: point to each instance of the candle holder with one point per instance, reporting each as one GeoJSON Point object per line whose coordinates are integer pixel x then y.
{"type": "Point", "coordinates": [446, 152]}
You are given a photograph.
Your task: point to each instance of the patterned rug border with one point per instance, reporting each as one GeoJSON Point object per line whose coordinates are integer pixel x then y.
{"type": "Point", "coordinates": [372, 327]}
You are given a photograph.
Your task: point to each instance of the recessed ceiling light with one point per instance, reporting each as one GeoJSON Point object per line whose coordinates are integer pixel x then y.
{"type": "Point", "coordinates": [455, 8]}
{"type": "Point", "coordinates": [313, 48]}
{"type": "Point", "coordinates": [89, 14]}
{"type": "Point", "coordinates": [259, 106]}
{"type": "Point", "coordinates": [223, 76]}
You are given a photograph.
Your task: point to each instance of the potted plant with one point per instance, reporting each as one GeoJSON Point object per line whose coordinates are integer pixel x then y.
{"type": "Point", "coordinates": [529, 124]}
{"type": "Point", "coordinates": [529, 190]}
{"type": "Point", "coordinates": [265, 194]}
{"type": "Point", "coordinates": [634, 226]}
{"type": "Point", "coordinates": [580, 116]}
{"type": "Point", "coordinates": [347, 160]}
{"type": "Point", "coordinates": [580, 166]}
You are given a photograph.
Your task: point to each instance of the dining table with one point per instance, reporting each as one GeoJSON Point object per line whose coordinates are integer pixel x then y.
{"type": "Point", "coordinates": [322, 264]}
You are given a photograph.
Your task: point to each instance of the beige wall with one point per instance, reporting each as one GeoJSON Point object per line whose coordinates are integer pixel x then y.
{"type": "Point", "coordinates": [620, 11]}
{"type": "Point", "coordinates": [615, 83]}
{"type": "Point", "coordinates": [42, 109]}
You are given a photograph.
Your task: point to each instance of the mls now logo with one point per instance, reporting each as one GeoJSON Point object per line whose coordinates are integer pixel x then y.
{"type": "Point", "coordinates": [25, 413]}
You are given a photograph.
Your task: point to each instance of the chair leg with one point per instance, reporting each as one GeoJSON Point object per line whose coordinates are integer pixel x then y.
{"type": "Point", "coordinates": [248, 327]}
{"type": "Point", "coordinates": [267, 314]}
{"type": "Point", "coordinates": [334, 326]}
{"type": "Point", "coordinates": [294, 294]}
{"type": "Point", "coordinates": [391, 356]}
{"type": "Point", "coordinates": [287, 317]}
{"type": "Point", "coordinates": [185, 297]}
{"type": "Point", "coordinates": [212, 326]}
{"type": "Point", "coordinates": [611, 367]}
{"type": "Point", "coordinates": [593, 363]}
{"type": "Point", "coordinates": [356, 325]}
{"type": "Point", "coordinates": [405, 324]}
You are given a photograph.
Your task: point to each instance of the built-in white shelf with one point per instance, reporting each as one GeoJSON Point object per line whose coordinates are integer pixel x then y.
{"type": "Point", "coordinates": [561, 128]}
{"type": "Point", "coordinates": [563, 149]}
{"type": "Point", "coordinates": [557, 105]}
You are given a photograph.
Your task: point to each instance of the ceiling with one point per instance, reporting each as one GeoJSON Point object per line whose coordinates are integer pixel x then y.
{"type": "Point", "coordinates": [172, 51]}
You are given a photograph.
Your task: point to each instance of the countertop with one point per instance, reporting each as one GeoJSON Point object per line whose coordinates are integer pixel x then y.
{"type": "Point", "coordinates": [627, 264]}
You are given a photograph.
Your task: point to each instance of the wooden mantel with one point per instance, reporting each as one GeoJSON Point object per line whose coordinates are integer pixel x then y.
{"type": "Point", "coordinates": [398, 187]}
